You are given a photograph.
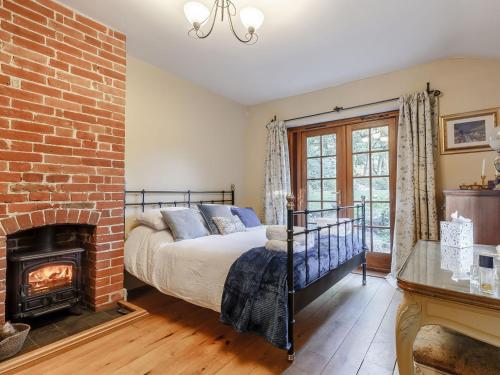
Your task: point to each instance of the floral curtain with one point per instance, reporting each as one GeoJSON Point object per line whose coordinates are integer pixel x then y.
{"type": "Point", "coordinates": [416, 216]}
{"type": "Point", "coordinates": [277, 183]}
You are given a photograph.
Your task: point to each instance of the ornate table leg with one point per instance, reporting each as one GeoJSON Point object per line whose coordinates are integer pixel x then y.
{"type": "Point", "coordinates": [407, 325]}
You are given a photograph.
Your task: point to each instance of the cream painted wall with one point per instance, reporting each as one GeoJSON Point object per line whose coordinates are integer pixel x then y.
{"type": "Point", "coordinates": [466, 85]}
{"type": "Point", "coordinates": [180, 136]}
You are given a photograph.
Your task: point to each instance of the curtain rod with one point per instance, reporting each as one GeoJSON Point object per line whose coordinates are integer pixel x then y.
{"type": "Point", "coordinates": [338, 109]}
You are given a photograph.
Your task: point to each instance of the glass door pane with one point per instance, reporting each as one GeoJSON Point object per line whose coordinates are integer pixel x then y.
{"type": "Point", "coordinates": [321, 172]}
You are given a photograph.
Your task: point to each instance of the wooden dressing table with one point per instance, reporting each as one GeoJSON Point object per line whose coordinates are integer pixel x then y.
{"type": "Point", "coordinates": [437, 290]}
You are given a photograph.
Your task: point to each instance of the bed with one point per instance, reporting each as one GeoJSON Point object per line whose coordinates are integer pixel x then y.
{"type": "Point", "coordinates": [193, 270]}
{"type": "Point", "coordinates": [215, 271]}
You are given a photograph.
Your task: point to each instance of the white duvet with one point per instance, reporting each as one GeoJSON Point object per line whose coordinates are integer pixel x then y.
{"type": "Point", "coordinates": [193, 270]}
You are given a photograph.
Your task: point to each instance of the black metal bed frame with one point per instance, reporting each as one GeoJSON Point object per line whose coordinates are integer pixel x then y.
{"type": "Point", "coordinates": [226, 197]}
{"type": "Point", "coordinates": [335, 274]}
{"type": "Point", "coordinates": [314, 287]}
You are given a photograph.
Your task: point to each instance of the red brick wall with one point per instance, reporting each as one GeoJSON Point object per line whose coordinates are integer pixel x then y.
{"type": "Point", "coordinates": [62, 132]}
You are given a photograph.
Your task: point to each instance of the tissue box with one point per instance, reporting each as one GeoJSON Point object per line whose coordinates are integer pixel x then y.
{"type": "Point", "coordinates": [457, 261]}
{"type": "Point", "coordinates": [457, 234]}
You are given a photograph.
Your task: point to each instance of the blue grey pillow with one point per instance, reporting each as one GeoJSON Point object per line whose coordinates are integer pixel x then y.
{"type": "Point", "coordinates": [209, 211]}
{"type": "Point", "coordinates": [247, 216]}
{"type": "Point", "coordinates": [185, 224]}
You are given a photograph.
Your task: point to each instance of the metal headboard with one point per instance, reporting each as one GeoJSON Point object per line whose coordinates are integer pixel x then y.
{"type": "Point", "coordinates": [220, 197]}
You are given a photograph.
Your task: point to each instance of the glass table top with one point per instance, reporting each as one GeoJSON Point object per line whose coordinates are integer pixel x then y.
{"type": "Point", "coordinates": [436, 267]}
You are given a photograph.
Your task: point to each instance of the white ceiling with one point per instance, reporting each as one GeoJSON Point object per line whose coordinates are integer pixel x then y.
{"type": "Point", "coordinates": [304, 45]}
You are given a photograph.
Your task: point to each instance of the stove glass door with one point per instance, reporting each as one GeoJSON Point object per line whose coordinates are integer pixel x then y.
{"type": "Point", "coordinates": [49, 277]}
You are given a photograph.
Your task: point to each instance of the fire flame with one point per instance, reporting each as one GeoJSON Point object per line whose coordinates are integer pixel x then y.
{"type": "Point", "coordinates": [50, 277]}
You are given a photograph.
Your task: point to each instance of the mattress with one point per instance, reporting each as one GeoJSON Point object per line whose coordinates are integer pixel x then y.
{"type": "Point", "coordinates": [194, 270]}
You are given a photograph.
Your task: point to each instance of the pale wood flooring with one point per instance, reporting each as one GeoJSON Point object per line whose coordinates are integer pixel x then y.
{"type": "Point", "coordinates": [348, 330]}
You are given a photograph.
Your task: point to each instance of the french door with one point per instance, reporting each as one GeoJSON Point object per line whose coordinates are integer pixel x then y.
{"type": "Point", "coordinates": [371, 172]}
{"type": "Point", "coordinates": [337, 163]}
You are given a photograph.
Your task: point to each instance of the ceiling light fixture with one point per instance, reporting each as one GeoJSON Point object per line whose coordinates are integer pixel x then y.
{"type": "Point", "coordinates": [200, 16]}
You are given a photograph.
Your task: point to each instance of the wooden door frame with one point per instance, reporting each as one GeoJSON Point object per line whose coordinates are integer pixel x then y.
{"type": "Point", "coordinates": [376, 261]}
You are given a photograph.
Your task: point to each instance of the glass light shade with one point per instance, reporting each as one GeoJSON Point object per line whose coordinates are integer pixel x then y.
{"type": "Point", "coordinates": [196, 12]}
{"type": "Point", "coordinates": [252, 18]}
{"type": "Point", "coordinates": [494, 138]}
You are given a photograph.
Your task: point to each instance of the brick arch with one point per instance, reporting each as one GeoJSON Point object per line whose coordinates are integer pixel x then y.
{"type": "Point", "coordinates": [40, 218]}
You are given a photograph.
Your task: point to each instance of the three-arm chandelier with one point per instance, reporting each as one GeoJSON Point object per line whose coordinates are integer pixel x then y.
{"type": "Point", "coordinates": [199, 16]}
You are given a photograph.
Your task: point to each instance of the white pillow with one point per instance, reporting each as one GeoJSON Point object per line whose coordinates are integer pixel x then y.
{"type": "Point", "coordinates": [153, 219]}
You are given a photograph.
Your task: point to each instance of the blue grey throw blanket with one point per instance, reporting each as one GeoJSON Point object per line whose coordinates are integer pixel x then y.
{"type": "Point", "coordinates": [255, 292]}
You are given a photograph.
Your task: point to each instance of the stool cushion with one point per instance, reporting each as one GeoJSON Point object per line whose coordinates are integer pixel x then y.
{"type": "Point", "coordinates": [452, 352]}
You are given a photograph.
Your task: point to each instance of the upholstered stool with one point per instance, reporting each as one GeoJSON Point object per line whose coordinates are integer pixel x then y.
{"type": "Point", "coordinates": [438, 350]}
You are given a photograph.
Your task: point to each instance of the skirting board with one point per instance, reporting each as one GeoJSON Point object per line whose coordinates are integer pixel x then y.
{"type": "Point", "coordinates": [24, 361]}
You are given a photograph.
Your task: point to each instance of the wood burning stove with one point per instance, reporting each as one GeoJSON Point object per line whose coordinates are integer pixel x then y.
{"type": "Point", "coordinates": [44, 277]}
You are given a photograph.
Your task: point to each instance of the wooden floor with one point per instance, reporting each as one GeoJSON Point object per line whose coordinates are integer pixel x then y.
{"type": "Point", "coordinates": [348, 330]}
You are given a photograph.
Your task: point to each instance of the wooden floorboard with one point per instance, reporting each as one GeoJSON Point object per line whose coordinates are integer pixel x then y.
{"type": "Point", "coordinates": [345, 331]}
{"type": "Point", "coordinates": [381, 355]}
{"type": "Point", "coordinates": [322, 335]}
{"type": "Point", "coordinates": [350, 354]}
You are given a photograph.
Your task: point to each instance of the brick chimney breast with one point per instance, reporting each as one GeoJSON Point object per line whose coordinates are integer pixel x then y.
{"type": "Point", "coordinates": [62, 133]}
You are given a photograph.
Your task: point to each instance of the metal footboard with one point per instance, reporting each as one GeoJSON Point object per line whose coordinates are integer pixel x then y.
{"type": "Point", "coordinates": [355, 218]}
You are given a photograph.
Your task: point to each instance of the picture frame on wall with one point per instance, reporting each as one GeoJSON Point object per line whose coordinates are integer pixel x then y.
{"type": "Point", "coordinates": [466, 132]}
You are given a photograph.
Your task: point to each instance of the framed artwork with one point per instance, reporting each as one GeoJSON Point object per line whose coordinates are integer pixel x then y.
{"type": "Point", "coordinates": [466, 132]}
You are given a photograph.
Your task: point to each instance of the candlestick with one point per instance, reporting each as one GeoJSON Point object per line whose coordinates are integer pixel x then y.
{"type": "Point", "coordinates": [484, 184]}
